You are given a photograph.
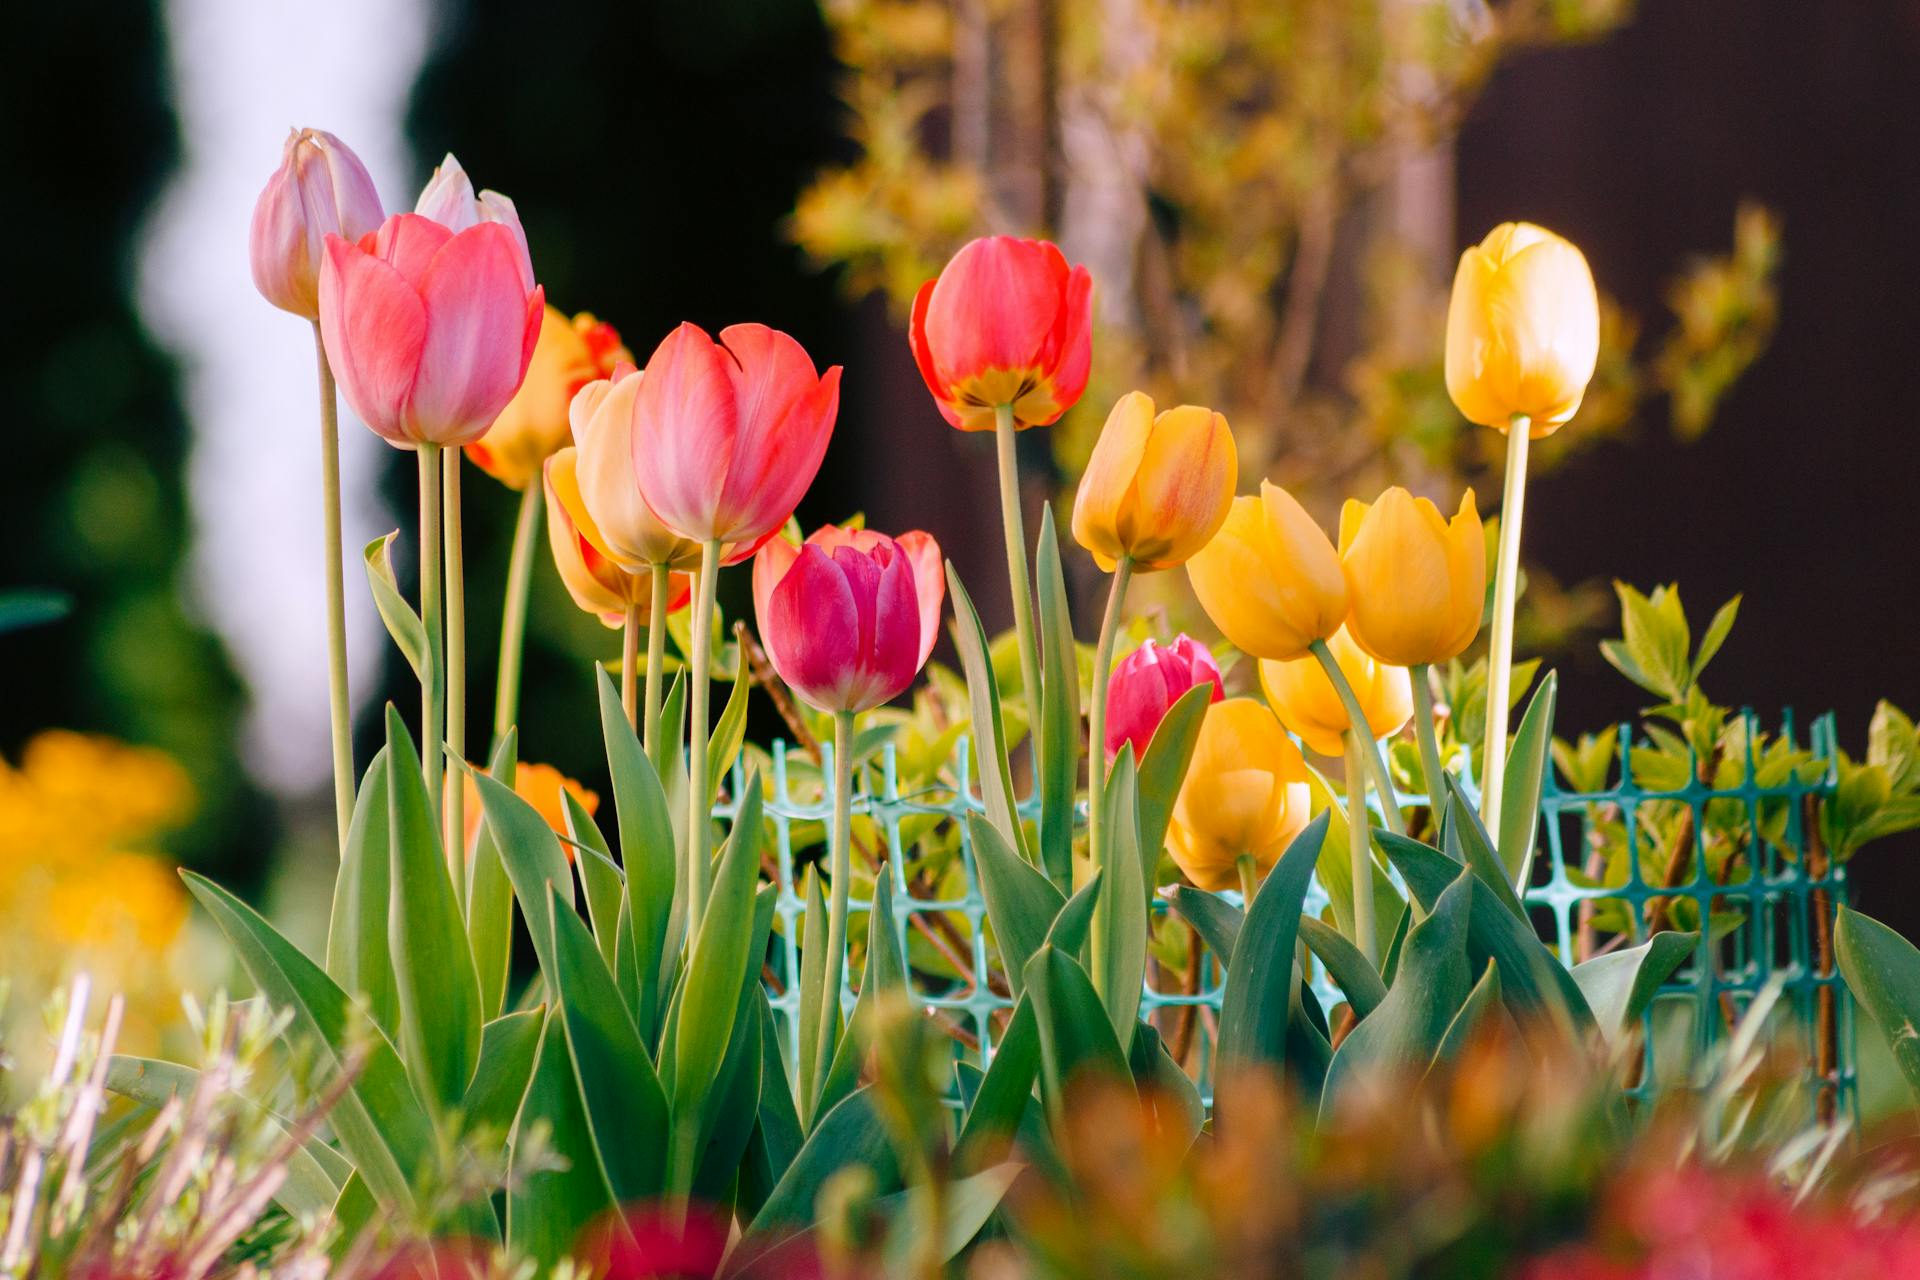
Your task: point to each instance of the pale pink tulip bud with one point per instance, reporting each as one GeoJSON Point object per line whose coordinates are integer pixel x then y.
{"type": "Point", "coordinates": [320, 189]}
{"type": "Point", "coordinates": [449, 200]}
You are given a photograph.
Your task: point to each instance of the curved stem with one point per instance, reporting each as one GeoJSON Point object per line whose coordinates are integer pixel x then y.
{"type": "Point", "coordinates": [1097, 756]}
{"type": "Point", "coordinates": [432, 716]}
{"type": "Point", "coordinates": [699, 800]}
{"type": "Point", "coordinates": [1013, 526]}
{"type": "Point", "coordinates": [656, 651]}
{"type": "Point", "coordinates": [456, 669]}
{"type": "Point", "coordinates": [1430, 762]}
{"type": "Point", "coordinates": [513, 614]}
{"type": "Point", "coordinates": [1370, 749]}
{"type": "Point", "coordinates": [840, 869]}
{"type": "Point", "coordinates": [1359, 851]}
{"type": "Point", "coordinates": [339, 701]}
{"type": "Point", "coordinates": [630, 663]}
{"type": "Point", "coordinates": [1249, 886]}
{"type": "Point", "coordinates": [1493, 764]}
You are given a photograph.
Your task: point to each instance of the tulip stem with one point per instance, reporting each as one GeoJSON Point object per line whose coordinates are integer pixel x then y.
{"type": "Point", "coordinates": [513, 614]}
{"type": "Point", "coordinates": [1248, 885]}
{"type": "Point", "coordinates": [339, 702]}
{"type": "Point", "coordinates": [656, 650]}
{"type": "Point", "coordinates": [431, 714]}
{"type": "Point", "coordinates": [1014, 526]}
{"type": "Point", "coordinates": [1493, 764]}
{"type": "Point", "coordinates": [456, 669]}
{"type": "Point", "coordinates": [1370, 756]}
{"type": "Point", "coordinates": [840, 870]}
{"type": "Point", "coordinates": [630, 664]}
{"type": "Point", "coordinates": [1360, 848]}
{"type": "Point", "coordinates": [699, 798]}
{"type": "Point", "coordinates": [1431, 765]}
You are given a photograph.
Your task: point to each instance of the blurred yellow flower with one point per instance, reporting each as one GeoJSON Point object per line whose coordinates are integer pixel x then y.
{"type": "Point", "coordinates": [1523, 329]}
{"type": "Point", "coordinates": [1306, 702]}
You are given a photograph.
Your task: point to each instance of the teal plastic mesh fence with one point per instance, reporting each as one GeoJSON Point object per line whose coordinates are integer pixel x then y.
{"type": "Point", "coordinates": [1741, 857]}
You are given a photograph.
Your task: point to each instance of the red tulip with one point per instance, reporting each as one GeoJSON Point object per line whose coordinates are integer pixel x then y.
{"type": "Point", "coordinates": [728, 435]}
{"type": "Point", "coordinates": [430, 332]}
{"type": "Point", "coordinates": [776, 557]}
{"type": "Point", "coordinates": [320, 188]}
{"type": "Point", "coordinates": [843, 624]}
{"type": "Point", "coordinates": [1147, 682]}
{"type": "Point", "coordinates": [1007, 322]}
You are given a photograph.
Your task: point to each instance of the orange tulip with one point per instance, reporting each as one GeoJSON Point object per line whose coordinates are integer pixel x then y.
{"type": "Point", "coordinates": [598, 581]}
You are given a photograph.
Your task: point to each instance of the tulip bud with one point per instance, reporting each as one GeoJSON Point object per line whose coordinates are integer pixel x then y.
{"type": "Point", "coordinates": [1157, 488]}
{"type": "Point", "coordinates": [1307, 703]}
{"type": "Point", "coordinates": [1246, 793]}
{"type": "Point", "coordinates": [1270, 579]}
{"type": "Point", "coordinates": [1147, 682]}
{"type": "Point", "coordinates": [449, 200]}
{"type": "Point", "coordinates": [1417, 582]}
{"type": "Point", "coordinates": [843, 626]}
{"type": "Point", "coordinates": [1007, 322]}
{"type": "Point", "coordinates": [1523, 329]}
{"type": "Point", "coordinates": [598, 582]}
{"type": "Point", "coordinates": [320, 189]}
{"type": "Point", "coordinates": [534, 425]}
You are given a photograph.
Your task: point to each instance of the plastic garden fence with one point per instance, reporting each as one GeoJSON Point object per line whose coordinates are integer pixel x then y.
{"type": "Point", "coordinates": [1766, 910]}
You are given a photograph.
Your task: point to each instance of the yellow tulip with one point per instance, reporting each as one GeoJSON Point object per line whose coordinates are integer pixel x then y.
{"type": "Point", "coordinates": [599, 582]}
{"type": "Point", "coordinates": [1245, 793]}
{"type": "Point", "coordinates": [627, 529]}
{"type": "Point", "coordinates": [1270, 579]}
{"type": "Point", "coordinates": [1305, 700]}
{"type": "Point", "coordinates": [1157, 487]}
{"type": "Point", "coordinates": [1523, 329]}
{"type": "Point", "coordinates": [534, 425]}
{"type": "Point", "coordinates": [1417, 581]}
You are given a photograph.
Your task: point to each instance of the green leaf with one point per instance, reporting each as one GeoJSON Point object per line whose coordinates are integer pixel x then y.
{"type": "Point", "coordinates": [733, 1104]}
{"type": "Point", "coordinates": [1526, 774]}
{"type": "Point", "coordinates": [1163, 768]}
{"type": "Point", "coordinates": [1058, 739]}
{"type": "Point", "coordinates": [1166, 1090]}
{"type": "Point", "coordinates": [1619, 986]}
{"type": "Point", "coordinates": [648, 850]}
{"type": "Point", "coordinates": [1883, 971]}
{"type": "Point", "coordinates": [1122, 904]}
{"type": "Point", "coordinates": [1349, 969]}
{"type": "Point", "coordinates": [1075, 1037]}
{"type": "Point", "coordinates": [813, 994]}
{"type": "Point", "coordinates": [508, 1046]}
{"type": "Point", "coordinates": [850, 1134]}
{"type": "Point", "coordinates": [490, 897]}
{"type": "Point", "coordinates": [1716, 635]}
{"type": "Point", "coordinates": [1482, 1002]}
{"type": "Point", "coordinates": [1021, 902]}
{"type": "Point", "coordinates": [728, 735]}
{"type": "Point", "coordinates": [1004, 1092]}
{"type": "Point", "coordinates": [965, 1208]}
{"type": "Point", "coordinates": [1465, 841]}
{"type": "Point", "coordinates": [989, 734]}
{"type": "Point", "coordinates": [548, 1208]}
{"type": "Point", "coordinates": [601, 882]}
{"type": "Point", "coordinates": [719, 964]}
{"type": "Point", "coordinates": [403, 624]}
{"type": "Point", "coordinates": [1075, 921]}
{"type": "Point", "coordinates": [531, 853]}
{"type": "Point", "coordinates": [626, 1111]}
{"type": "Point", "coordinates": [22, 609]}
{"type": "Point", "coordinates": [886, 971]}
{"type": "Point", "coordinates": [1259, 995]}
{"type": "Point", "coordinates": [357, 956]}
{"type": "Point", "coordinates": [1217, 919]}
{"type": "Point", "coordinates": [379, 1121]}
{"type": "Point", "coordinates": [777, 1135]}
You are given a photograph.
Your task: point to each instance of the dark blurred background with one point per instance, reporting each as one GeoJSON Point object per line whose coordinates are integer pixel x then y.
{"type": "Point", "coordinates": [656, 151]}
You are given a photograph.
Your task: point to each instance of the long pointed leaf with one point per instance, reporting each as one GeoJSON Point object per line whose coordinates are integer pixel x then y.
{"type": "Point", "coordinates": [508, 1047]}
{"type": "Point", "coordinates": [1121, 972]}
{"type": "Point", "coordinates": [648, 849]}
{"type": "Point", "coordinates": [1357, 979]}
{"type": "Point", "coordinates": [490, 897]}
{"type": "Point", "coordinates": [548, 1207]}
{"type": "Point", "coordinates": [1162, 769]}
{"type": "Point", "coordinates": [1075, 1037]}
{"type": "Point", "coordinates": [1526, 774]}
{"type": "Point", "coordinates": [1021, 902]}
{"type": "Point", "coordinates": [1620, 985]}
{"type": "Point", "coordinates": [531, 854]}
{"type": "Point", "coordinates": [1259, 996]}
{"type": "Point", "coordinates": [357, 955]}
{"type": "Point", "coordinates": [1882, 970]}
{"type": "Point", "coordinates": [1058, 736]}
{"type": "Point", "coordinates": [719, 964]}
{"type": "Point", "coordinates": [989, 735]}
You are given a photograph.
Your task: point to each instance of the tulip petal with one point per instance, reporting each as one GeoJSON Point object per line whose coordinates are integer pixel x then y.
{"type": "Point", "coordinates": [995, 306]}
{"type": "Point", "coordinates": [448, 197]}
{"type": "Point", "coordinates": [1100, 504]}
{"type": "Point", "coordinates": [481, 331]}
{"type": "Point", "coordinates": [374, 328]}
{"type": "Point", "coordinates": [923, 360]}
{"type": "Point", "coordinates": [1182, 489]}
{"type": "Point", "coordinates": [410, 243]}
{"type": "Point", "coordinates": [1067, 354]}
{"type": "Point", "coordinates": [817, 624]}
{"type": "Point", "coordinates": [770, 564]}
{"type": "Point", "coordinates": [786, 415]}
{"type": "Point", "coordinates": [929, 587]}
{"type": "Point", "coordinates": [894, 657]}
{"type": "Point", "coordinates": [685, 428]}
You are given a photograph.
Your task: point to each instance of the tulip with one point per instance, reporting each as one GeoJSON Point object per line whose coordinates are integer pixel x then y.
{"type": "Point", "coordinates": [1245, 797]}
{"type": "Point", "coordinates": [776, 557]}
{"type": "Point", "coordinates": [535, 425]}
{"type": "Point", "coordinates": [603, 430]}
{"type": "Point", "coordinates": [1304, 697]}
{"type": "Point", "coordinates": [449, 200]}
{"type": "Point", "coordinates": [1157, 488]}
{"type": "Point", "coordinates": [1270, 579]}
{"type": "Point", "coordinates": [1147, 683]}
{"type": "Point", "coordinates": [1417, 581]}
{"type": "Point", "coordinates": [598, 581]}
{"type": "Point", "coordinates": [542, 786]}
{"type": "Point", "coordinates": [320, 188]}
{"type": "Point", "coordinates": [1523, 335]}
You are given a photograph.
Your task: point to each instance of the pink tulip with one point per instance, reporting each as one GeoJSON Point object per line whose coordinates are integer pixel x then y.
{"type": "Point", "coordinates": [449, 200]}
{"type": "Point", "coordinates": [320, 188]}
{"type": "Point", "coordinates": [844, 625]}
{"type": "Point", "coordinates": [728, 435]}
{"type": "Point", "coordinates": [430, 332]}
{"type": "Point", "coordinates": [776, 556]}
{"type": "Point", "coordinates": [1147, 682]}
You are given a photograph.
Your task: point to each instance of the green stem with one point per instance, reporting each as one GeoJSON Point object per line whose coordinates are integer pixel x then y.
{"type": "Point", "coordinates": [656, 651]}
{"type": "Point", "coordinates": [699, 801]}
{"type": "Point", "coordinates": [1423, 728]}
{"type": "Point", "coordinates": [1097, 758]}
{"type": "Point", "coordinates": [432, 716]}
{"type": "Point", "coordinates": [840, 869]}
{"type": "Point", "coordinates": [1359, 850]}
{"type": "Point", "coordinates": [630, 664]}
{"type": "Point", "coordinates": [339, 703]}
{"type": "Point", "coordinates": [456, 670]}
{"type": "Point", "coordinates": [1248, 885]}
{"type": "Point", "coordinates": [513, 614]}
{"type": "Point", "coordinates": [1370, 750]}
{"type": "Point", "coordinates": [1493, 765]}
{"type": "Point", "coordinates": [1013, 525]}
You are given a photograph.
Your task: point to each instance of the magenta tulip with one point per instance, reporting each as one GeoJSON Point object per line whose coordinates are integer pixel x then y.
{"type": "Point", "coordinates": [429, 331]}
{"type": "Point", "coordinates": [320, 189]}
{"type": "Point", "coordinates": [1147, 682]}
{"type": "Point", "coordinates": [843, 625]}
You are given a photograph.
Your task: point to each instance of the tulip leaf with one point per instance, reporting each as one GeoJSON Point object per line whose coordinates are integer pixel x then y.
{"type": "Point", "coordinates": [508, 1046]}
{"type": "Point", "coordinates": [1621, 984]}
{"type": "Point", "coordinates": [1122, 905]}
{"type": "Point", "coordinates": [733, 1105]}
{"type": "Point", "coordinates": [379, 1120]}
{"type": "Point", "coordinates": [1168, 1092]}
{"type": "Point", "coordinates": [1882, 970]}
{"type": "Point", "coordinates": [1021, 902]}
{"type": "Point", "coordinates": [1483, 1002]}
{"type": "Point", "coordinates": [1465, 841]}
{"type": "Point", "coordinates": [531, 853]}
{"type": "Point", "coordinates": [989, 734]}
{"type": "Point", "coordinates": [728, 735]}
{"type": "Point", "coordinates": [777, 1135]}
{"type": "Point", "coordinates": [1350, 970]}
{"type": "Point", "coordinates": [432, 962]}
{"type": "Point", "coordinates": [1070, 928]}
{"type": "Point", "coordinates": [1260, 994]}
{"type": "Point", "coordinates": [648, 851]}
{"type": "Point", "coordinates": [403, 624]}
{"type": "Point", "coordinates": [1217, 920]}
{"type": "Point", "coordinates": [357, 955]}
{"type": "Point", "coordinates": [490, 896]}
{"type": "Point", "coordinates": [1526, 774]}
{"type": "Point", "coordinates": [1162, 770]}
{"type": "Point", "coordinates": [813, 993]}
{"type": "Point", "coordinates": [1076, 1039]}
{"type": "Point", "coordinates": [1058, 739]}
{"type": "Point", "coordinates": [886, 971]}
{"type": "Point", "coordinates": [1004, 1092]}
{"type": "Point", "coordinates": [601, 882]}
{"type": "Point", "coordinates": [550, 1203]}
{"type": "Point", "coordinates": [850, 1134]}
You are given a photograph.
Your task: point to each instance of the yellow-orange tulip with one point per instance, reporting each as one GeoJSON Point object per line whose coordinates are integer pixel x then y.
{"type": "Point", "coordinates": [1157, 487]}
{"type": "Point", "coordinates": [1270, 579]}
{"type": "Point", "coordinates": [540, 785]}
{"type": "Point", "coordinates": [1306, 702]}
{"type": "Point", "coordinates": [534, 425]}
{"type": "Point", "coordinates": [1523, 329]}
{"type": "Point", "coordinates": [629, 531]}
{"type": "Point", "coordinates": [1417, 581]}
{"type": "Point", "coordinates": [598, 582]}
{"type": "Point", "coordinates": [1245, 793]}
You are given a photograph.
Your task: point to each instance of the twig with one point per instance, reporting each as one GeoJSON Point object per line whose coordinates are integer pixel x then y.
{"type": "Point", "coordinates": [760, 670]}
